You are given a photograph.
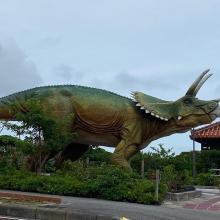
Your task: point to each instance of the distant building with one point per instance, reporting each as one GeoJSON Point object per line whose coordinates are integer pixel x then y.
{"type": "Point", "coordinates": [208, 136]}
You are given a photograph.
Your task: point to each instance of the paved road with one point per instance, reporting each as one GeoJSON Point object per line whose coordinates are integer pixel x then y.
{"type": "Point", "coordinates": [11, 218]}
{"type": "Point", "coordinates": [134, 211]}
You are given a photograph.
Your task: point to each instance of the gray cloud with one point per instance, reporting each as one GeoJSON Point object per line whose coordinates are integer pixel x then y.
{"type": "Point", "coordinates": [125, 82]}
{"type": "Point", "coordinates": [47, 42]}
{"type": "Point", "coordinates": [128, 80]}
{"type": "Point", "coordinates": [67, 73]}
{"type": "Point", "coordinates": [168, 84]}
{"type": "Point", "coordinates": [16, 71]}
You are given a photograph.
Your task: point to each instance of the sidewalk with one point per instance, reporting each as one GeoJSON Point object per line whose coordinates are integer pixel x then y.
{"type": "Point", "coordinates": [209, 201]}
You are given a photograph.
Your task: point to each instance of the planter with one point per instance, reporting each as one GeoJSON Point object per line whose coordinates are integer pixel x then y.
{"type": "Point", "coordinates": [183, 196]}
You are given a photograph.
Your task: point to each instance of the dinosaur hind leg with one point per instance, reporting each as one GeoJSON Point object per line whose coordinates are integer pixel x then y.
{"type": "Point", "coordinates": [71, 152]}
{"type": "Point", "coordinates": [122, 155]}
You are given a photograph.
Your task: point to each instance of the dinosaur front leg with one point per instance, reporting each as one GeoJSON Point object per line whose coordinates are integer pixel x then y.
{"type": "Point", "coordinates": [71, 152]}
{"type": "Point", "coordinates": [123, 153]}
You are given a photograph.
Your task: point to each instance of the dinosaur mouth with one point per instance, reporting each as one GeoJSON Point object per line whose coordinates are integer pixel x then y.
{"type": "Point", "coordinates": [215, 114]}
{"type": "Point", "coordinates": [184, 129]}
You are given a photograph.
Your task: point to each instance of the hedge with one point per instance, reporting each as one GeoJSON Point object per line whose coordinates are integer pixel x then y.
{"type": "Point", "coordinates": [75, 179]}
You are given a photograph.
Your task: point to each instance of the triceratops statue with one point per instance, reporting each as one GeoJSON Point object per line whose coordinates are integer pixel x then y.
{"type": "Point", "coordinates": [104, 118]}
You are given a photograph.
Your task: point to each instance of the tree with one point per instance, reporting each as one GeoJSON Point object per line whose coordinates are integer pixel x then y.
{"type": "Point", "coordinates": [17, 128]}
{"type": "Point", "coordinates": [159, 158]}
{"type": "Point", "coordinates": [45, 132]}
{"type": "Point", "coordinates": [97, 155]}
{"type": "Point", "coordinates": [13, 152]}
{"type": "Point", "coordinates": [207, 160]}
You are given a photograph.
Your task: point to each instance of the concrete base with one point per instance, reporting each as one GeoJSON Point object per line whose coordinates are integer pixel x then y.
{"type": "Point", "coordinates": [183, 196]}
{"type": "Point", "coordinates": [50, 213]}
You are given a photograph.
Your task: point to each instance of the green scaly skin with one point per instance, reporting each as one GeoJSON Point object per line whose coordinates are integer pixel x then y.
{"type": "Point", "coordinates": [104, 118]}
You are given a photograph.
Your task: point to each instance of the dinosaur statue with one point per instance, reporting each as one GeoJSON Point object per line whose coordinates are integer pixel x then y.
{"type": "Point", "coordinates": [101, 117]}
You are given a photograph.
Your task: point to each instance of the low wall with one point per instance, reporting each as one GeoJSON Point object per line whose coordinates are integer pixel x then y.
{"type": "Point", "coordinates": [183, 196]}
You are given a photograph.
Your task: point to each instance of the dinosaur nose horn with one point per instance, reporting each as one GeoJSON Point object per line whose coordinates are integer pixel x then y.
{"type": "Point", "coordinates": [197, 84]}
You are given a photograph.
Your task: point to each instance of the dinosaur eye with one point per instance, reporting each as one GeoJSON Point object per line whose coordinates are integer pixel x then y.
{"type": "Point", "coordinates": [211, 105]}
{"type": "Point", "coordinates": [187, 101]}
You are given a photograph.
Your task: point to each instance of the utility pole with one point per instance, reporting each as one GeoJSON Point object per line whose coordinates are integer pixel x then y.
{"type": "Point", "coordinates": [142, 167]}
{"type": "Point", "coordinates": [142, 164]}
{"type": "Point", "coordinates": [193, 156]}
{"type": "Point", "coordinates": [157, 184]}
{"type": "Point", "coordinates": [87, 161]}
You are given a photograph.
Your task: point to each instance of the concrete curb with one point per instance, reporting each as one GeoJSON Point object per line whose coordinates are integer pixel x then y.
{"type": "Point", "coordinates": [183, 196]}
{"type": "Point", "coordinates": [48, 213]}
{"type": "Point", "coordinates": [206, 187]}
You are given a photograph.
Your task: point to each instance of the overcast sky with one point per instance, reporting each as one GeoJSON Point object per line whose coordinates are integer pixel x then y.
{"type": "Point", "coordinates": [154, 46]}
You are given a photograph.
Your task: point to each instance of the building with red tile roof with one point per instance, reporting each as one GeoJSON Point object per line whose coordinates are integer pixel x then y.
{"type": "Point", "coordinates": [208, 136]}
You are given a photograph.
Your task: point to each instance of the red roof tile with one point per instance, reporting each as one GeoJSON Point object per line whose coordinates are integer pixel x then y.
{"type": "Point", "coordinates": [210, 131]}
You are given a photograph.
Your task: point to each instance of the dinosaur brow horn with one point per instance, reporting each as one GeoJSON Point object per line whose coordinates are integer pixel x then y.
{"type": "Point", "coordinates": [201, 83]}
{"type": "Point", "coordinates": [193, 87]}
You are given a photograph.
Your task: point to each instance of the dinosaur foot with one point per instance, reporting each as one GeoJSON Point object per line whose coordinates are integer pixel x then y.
{"type": "Point", "coordinates": [121, 162]}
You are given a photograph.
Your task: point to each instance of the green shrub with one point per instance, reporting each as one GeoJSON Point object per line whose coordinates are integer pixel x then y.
{"type": "Point", "coordinates": [104, 181]}
{"type": "Point", "coordinates": [117, 184]}
{"type": "Point", "coordinates": [207, 179]}
{"type": "Point", "coordinates": [113, 183]}
{"type": "Point", "coordinates": [175, 180]}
